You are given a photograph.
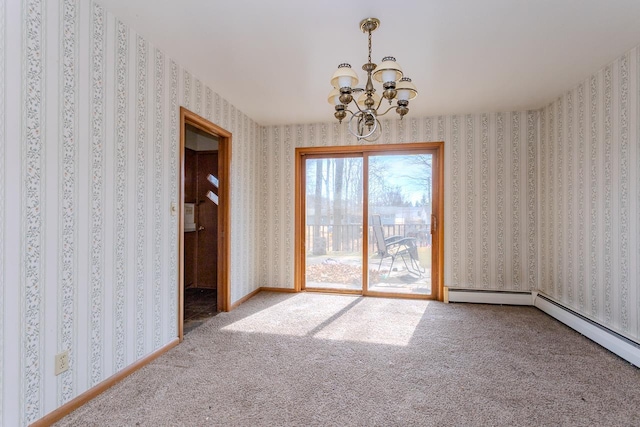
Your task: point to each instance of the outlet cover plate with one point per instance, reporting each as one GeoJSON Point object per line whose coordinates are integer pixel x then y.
{"type": "Point", "coordinates": [62, 362]}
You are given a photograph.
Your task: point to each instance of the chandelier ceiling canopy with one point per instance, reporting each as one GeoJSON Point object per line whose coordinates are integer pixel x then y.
{"type": "Point", "coordinates": [364, 122]}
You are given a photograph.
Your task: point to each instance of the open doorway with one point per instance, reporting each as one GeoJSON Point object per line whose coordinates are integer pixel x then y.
{"type": "Point", "coordinates": [204, 213]}
{"type": "Point", "coordinates": [200, 226]}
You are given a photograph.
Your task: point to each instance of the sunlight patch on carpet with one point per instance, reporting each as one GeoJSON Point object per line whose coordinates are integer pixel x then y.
{"type": "Point", "coordinates": [371, 322]}
{"type": "Point", "coordinates": [297, 316]}
{"type": "Point", "coordinates": [338, 318]}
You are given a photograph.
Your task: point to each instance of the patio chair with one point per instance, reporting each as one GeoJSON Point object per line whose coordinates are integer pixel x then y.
{"type": "Point", "coordinates": [396, 246]}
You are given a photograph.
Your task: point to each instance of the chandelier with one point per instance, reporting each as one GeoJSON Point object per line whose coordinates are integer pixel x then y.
{"type": "Point", "coordinates": [364, 123]}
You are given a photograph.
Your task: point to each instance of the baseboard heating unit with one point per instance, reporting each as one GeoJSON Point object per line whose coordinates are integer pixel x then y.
{"type": "Point", "coordinates": [480, 296]}
{"type": "Point", "coordinates": [614, 342]}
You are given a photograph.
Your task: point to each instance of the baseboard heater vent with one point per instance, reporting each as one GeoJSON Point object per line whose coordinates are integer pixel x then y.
{"type": "Point", "coordinates": [609, 339]}
{"type": "Point", "coordinates": [480, 296]}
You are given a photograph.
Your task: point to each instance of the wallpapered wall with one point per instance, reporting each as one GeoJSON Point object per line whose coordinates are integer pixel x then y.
{"type": "Point", "coordinates": [490, 194]}
{"type": "Point", "coordinates": [88, 170]}
{"type": "Point", "coordinates": [590, 197]}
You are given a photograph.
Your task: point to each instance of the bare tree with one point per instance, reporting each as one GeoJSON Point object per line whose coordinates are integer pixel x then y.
{"type": "Point", "coordinates": [319, 244]}
{"type": "Point", "coordinates": [425, 178]}
{"type": "Point", "coordinates": [338, 209]}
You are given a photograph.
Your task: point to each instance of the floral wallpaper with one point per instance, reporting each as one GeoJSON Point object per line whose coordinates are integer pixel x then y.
{"type": "Point", "coordinates": [590, 197]}
{"type": "Point", "coordinates": [545, 200]}
{"type": "Point", "coordinates": [490, 194]}
{"type": "Point", "coordinates": [3, 142]}
{"type": "Point", "coordinates": [90, 248]}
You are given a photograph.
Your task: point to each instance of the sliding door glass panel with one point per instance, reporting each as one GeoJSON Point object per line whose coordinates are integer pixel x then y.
{"type": "Point", "coordinates": [333, 200]}
{"type": "Point", "coordinates": [400, 207]}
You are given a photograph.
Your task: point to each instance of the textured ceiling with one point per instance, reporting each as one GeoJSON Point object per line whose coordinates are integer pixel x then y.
{"type": "Point", "coordinates": [273, 59]}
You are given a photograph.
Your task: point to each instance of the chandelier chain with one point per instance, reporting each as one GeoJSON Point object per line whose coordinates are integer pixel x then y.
{"type": "Point", "coordinates": [369, 46]}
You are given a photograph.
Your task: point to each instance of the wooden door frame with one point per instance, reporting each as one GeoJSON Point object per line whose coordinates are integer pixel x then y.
{"type": "Point", "coordinates": [224, 208]}
{"type": "Point", "coordinates": [366, 150]}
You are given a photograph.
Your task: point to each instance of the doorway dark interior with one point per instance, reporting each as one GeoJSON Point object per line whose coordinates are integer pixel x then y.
{"type": "Point", "coordinates": [199, 306]}
{"type": "Point", "coordinates": [200, 227]}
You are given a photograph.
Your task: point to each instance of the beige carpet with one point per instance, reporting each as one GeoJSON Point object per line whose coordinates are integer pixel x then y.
{"type": "Point", "coordinates": [327, 360]}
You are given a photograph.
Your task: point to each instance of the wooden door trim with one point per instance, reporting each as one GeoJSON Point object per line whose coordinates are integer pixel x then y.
{"type": "Point", "coordinates": [437, 148]}
{"type": "Point", "coordinates": [224, 209]}
{"type": "Point", "coordinates": [299, 241]}
{"type": "Point", "coordinates": [365, 223]}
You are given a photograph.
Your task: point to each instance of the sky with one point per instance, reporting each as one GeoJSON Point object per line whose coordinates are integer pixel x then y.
{"type": "Point", "coordinates": [398, 168]}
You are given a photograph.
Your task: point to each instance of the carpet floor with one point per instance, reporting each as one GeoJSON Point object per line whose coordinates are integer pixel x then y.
{"type": "Point", "coordinates": [327, 360]}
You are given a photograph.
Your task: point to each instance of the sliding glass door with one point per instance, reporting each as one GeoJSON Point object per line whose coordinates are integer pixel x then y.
{"type": "Point", "coordinates": [367, 220]}
{"type": "Point", "coordinates": [334, 223]}
{"type": "Point", "coordinates": [400, 190]}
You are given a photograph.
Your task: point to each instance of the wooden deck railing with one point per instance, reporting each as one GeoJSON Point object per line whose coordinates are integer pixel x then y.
{"type": "Point", "coordinates": [322, 239]}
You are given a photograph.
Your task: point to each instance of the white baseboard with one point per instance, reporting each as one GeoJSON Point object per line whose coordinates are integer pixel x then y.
{"type": "Point", "coordinates": [488, 297]}
{"type": "Point", "coordinates": [623, 347]}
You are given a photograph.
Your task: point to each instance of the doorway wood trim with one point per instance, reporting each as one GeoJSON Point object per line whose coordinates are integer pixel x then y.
{"type": "Point", "coordinates": [303, 153]}
{"type": "Point", "coordinates": [224, 236]}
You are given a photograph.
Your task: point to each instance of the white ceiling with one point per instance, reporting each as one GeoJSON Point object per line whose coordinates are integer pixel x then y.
{"type": "Point", "coordinates": [274, 59]}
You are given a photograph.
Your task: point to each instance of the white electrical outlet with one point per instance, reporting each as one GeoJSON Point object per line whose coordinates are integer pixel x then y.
{"type": "Point", "coordinates": [62, 362]}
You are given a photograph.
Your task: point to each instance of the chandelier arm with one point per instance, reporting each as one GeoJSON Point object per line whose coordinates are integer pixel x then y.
{"type": "Point", "coordinates": [389, 109]}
